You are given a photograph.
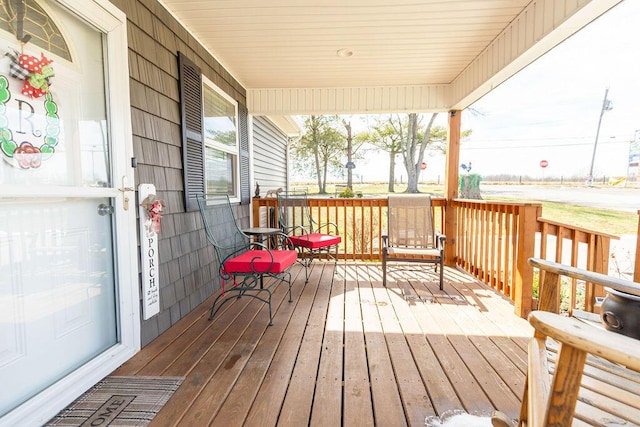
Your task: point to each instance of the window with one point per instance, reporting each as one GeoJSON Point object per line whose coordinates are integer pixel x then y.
{"type": "Point", "coordinates": [220, 141]}
{"type": "Point", "coordinates": [215, 139]}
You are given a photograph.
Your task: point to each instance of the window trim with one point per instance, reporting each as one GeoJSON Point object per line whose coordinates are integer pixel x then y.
{"type": "Point", "coordinates": [210, 143]}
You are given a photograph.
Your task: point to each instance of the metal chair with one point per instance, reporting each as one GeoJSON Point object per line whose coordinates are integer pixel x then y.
{"type": "Point", "coordinates": [312, 240]}
{"type": "Point", "coordinates": [241, 261]}
{"type": "Point", "coordinates": [411, 235]}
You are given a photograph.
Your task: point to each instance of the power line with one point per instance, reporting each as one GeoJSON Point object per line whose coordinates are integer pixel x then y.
{"type": "Point", "coordinates": [577, 144]}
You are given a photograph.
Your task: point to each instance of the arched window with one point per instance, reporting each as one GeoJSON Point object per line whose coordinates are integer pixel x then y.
{"type": "Point", "coordinates": [28, 21]}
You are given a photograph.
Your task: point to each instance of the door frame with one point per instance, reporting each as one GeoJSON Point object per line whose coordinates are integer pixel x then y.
{"type": "Point", "coordinates": [107, 18]}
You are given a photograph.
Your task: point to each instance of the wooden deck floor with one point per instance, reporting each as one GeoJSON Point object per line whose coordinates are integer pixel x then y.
{"type": "Point", "coordinates": [346, 351]}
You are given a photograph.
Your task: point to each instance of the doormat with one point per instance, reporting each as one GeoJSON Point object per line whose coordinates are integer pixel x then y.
{"type": "Point", "coordinates": [119, 401]}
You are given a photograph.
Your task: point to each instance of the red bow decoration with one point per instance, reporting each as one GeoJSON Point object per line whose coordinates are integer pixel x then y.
{"type": "Point", "coordinates": [37, 84]}
{"type": "Point", "coordinates": [35, 72]}
{"type": "Point", "coordinates": [156, 208]}
{"type": "Point", "coordinates": [153, 207]}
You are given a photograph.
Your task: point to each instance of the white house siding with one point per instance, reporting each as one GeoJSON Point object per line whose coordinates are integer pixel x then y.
{"type": "Point", "coordinates": [269, 154]}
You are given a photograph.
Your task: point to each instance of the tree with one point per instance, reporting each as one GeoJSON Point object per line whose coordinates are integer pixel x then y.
{"type": "Point", "coordinates": [415, 143]}
{"type": "Point", "coordinates": [405, 135]}
{"type": "Point", "coordinates": [354, 144]}
{"type": "Point", "coordinates": [320, 147]}
{"type": "Point", "coordinates": [385, 136]}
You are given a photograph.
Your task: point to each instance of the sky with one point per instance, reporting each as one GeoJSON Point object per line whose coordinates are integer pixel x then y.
{"type": "Point", "coordinates": [550, 110]}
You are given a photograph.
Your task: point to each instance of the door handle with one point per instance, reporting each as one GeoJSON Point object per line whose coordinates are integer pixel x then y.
{"type": "Point", "coordinates": [105, 209]}
{"type": "Point", "coordinates": [125, 196]}
{"type": "Point", "coordinates": [125, 201]}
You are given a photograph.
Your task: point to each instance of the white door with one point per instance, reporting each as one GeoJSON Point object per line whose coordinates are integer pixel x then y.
{"type": "Point", "coordinates": [68, 276]}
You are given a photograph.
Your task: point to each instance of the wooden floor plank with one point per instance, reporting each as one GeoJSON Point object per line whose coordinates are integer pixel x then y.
{"type": "Point", "coordinates": [327, 398]}
{"type": "Point", "coordinates": [387, 405]}
{"type": "Point", "coordinates": [358, 407]}
{"type": "Point", "coordinates": [436, 321]}
{"type": "Point", "coordinates": [266, 405]}
{"type": "Point", "coordinates": [346, 352]}
{"type": "Point", "coordinates": [215, 392]}
{"type": "Point", "coordinates": [478, 306]}
{"type": "Point", "coordinates": [218, 337]}
{"type": "Point", "coordinates": [239, 400]}
{"type": "Point", "coordinates": [196, 341]}
{"type": "Point", "coordinates": [415, 399]}
{"type": "Point", "coordinates": [495, 389]}
{"type": "Point", "coordinates": [165, 340]}
{"type": "Point", "coordinates": [497, 308]}
{"type": "Point", "coordinates": [478, 329]}
{"type": "Point", "coordinates": [191, 397]}
{"type": "Point", "coordinates": [296, 408]}
{"type": "Point", "coordinates": [441, 393]}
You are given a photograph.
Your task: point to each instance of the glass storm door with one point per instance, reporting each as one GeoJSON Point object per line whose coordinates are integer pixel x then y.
{"type": "Point", "coordinates": [60, 195]}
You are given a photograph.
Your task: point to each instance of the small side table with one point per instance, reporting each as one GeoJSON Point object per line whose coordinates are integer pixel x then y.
{"type": "Point", "coordinates": [259, 234]}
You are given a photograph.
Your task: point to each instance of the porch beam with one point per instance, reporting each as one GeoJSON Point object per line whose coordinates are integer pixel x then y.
{"type": "Point", "coordinates": [349, 100]}
{"type": "Point", "coordinates": [451, 186]}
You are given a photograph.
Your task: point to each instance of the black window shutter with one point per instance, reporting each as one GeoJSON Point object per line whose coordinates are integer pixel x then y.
{"type": "Point", "coordinates": [243, 127]}
{"type": "Point", "coordinates": [192, 131]}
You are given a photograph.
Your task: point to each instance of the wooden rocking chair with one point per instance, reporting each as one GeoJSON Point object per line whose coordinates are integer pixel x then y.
{"type": "Point", "coordinates": [578, 372]}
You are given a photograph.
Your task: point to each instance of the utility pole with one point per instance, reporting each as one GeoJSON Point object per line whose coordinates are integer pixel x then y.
{"type": "Point", "coordinates": [606, 106]}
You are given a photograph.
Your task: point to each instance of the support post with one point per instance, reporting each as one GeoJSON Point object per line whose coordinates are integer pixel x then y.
{"type": "Point", "coordinates": [255, 212]}
{"type": "Point", "coordinates": [451, 186]}
{"type": "Point", "coordinates": [523, 286]}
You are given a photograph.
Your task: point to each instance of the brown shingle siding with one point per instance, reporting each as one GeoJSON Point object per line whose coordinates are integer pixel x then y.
{"type": "Point", "coordinates": [150, 151]}
{"type": "Point", "coordinates": [143, 19]}
{"type": "Point", "coordinates": [138, 152]}
{"type": "Point", "coordinates": [168, 109]}
{"type": "Point", "coordinates": [174, 202]}
{"type": "Point", "coordinates": [175, 161]}
{"type": "Point", "coordinates": [134, 73]}
{"type": "Point", "coordinates": [188, 272]}
{"type": "Point", "coordinates": [159, 178]}
{"type": "Point", "coordinates": [163, 34]}
{"type": "Point", "coordinates": [152, 101]}
{"type": "Point", "coordinates": [174, 179]}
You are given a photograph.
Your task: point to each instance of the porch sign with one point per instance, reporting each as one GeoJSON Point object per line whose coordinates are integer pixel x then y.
{"type": "Point", "coordinates": [149, 257]}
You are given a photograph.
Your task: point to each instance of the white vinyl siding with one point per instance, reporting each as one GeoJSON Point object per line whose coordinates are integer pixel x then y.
{"type": "Point", "coordinates": [270, 155]}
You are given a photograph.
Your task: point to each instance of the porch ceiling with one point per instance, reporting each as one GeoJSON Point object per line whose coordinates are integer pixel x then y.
{"type": "Point", "coordinates": [407, 54]}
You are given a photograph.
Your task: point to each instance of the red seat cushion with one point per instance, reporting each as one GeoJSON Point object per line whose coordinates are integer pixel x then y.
{"type": "Point", "coordinates": [315, 240]}
{"type": "Point", "coordinates": [260, 261]}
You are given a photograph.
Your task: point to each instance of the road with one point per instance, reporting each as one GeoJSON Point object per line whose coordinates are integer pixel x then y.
{"type": "Point", "coordinates": [622, 199]}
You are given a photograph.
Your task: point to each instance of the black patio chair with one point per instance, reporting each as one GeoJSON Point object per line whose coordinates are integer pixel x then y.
{"type": "Point", "coordinates": [241, 261]}
{"type": "Point", "coordinates": [411, 235]}
{"type": "Point", "coordinates": [312, 240]}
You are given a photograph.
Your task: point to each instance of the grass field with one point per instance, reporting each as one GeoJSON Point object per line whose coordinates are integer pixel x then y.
{"type": "Point", "coordinates": [609, 221]}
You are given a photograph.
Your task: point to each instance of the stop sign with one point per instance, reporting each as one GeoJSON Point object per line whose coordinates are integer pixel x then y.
{"type": "Point", "coordinates": [544, 164]}
{"type": "Point", "coordinates": [423, 166]}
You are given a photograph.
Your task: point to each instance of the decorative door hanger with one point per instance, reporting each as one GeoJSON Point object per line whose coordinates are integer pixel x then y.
{"type": "Point", "coordinates": [29, 122]}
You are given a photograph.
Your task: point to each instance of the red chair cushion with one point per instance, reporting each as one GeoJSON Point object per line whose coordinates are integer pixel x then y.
{"type": "Point", "coordinates": [260, 261]}
{"type": "Point", "coordinates": [315, 240]}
